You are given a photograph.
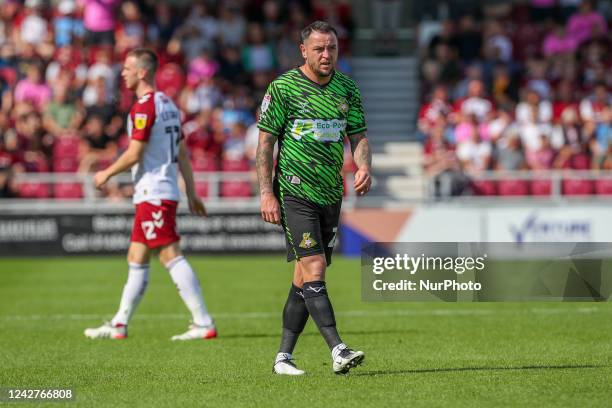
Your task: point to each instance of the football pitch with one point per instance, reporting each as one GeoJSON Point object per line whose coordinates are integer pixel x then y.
{"type": "Point", "coordinates": [417, 354]}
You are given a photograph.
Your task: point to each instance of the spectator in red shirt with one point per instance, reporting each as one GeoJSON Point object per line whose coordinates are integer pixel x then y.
{"type": "Point", "coordinates": [593, 106]}
{"type": "Point", "coordinates": [432, 112]}
{"type": "Point", "coordinates": [475, 103]}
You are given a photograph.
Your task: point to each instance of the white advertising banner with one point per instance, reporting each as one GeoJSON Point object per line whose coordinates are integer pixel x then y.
{"type": "Point", "coordinates": [549, 224]}
{"type": "Point", "coordinates": [448, 223]}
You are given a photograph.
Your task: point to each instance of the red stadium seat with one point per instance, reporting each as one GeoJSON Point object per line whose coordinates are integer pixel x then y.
{"type": "Point", "coordinates": [34, 190]}
{"type": "Point", "coordinates": [484, 188]}
{"type": "Point", "coordinates": [580, 161]}
{"type": "Point", "coordinates": [236, 189]}
{"type": "Point", "coordinates": [512, 187]}
{"type": "Point", "coordinates": [65, 164]}
{"type": "Point", "coordinates": [235, 165]}
{"type": "Point", "coordinates": [201, 188]}
{"type": "Point", "coordinates": [201, 162]}
{"type": "Point", "coordinates": [68, 191]}
{"type": "Point", "coordinates": [577, 187]}
{"type": "Point", "coordinates": [66, 146]}
{"type": "Point", "coordinates": [35, 164]}
{"type": "Point", "coordinates": [541, 187]}
{"type": "Point", "coordinates": [603, 187]}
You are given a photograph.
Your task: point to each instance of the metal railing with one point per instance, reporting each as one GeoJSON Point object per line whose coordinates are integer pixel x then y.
{"type": "Point", "coordinates": [90, 195]}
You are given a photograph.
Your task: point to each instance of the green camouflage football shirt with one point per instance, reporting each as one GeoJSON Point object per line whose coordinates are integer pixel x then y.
{"type": "Point", "coordinates": [311, 122]}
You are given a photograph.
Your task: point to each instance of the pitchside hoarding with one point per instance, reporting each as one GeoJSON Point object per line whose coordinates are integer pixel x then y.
{"type": "Point", "coordinates": [509, 223]}
{"type": "Point", "coordinates": [98, 233]}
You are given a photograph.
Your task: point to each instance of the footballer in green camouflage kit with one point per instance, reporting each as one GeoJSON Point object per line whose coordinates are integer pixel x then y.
{"type": "Point", "coordinates": [310, 111]}
{"type": "Point", "coordinates": [311, 122]}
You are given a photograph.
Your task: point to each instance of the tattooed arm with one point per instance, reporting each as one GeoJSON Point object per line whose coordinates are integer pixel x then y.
{"type": "Point", "coordinates": [270, 209]}
{"type": "Point", "coordinates": [362, 156]}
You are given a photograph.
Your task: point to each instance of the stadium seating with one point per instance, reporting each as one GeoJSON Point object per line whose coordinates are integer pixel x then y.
{"type": "Point", "coordinates": [513, 187]}
{"type": "Point", "coordinates": [235, 189]}
{"type": "Point", "coordinates": [540, 187]}
{"type": "Point", "coordinates": [68, 191]}
{"type": "Point", "coordinates": [603, 187]}
{"type": "Point", "coordinates": [572, 187]}
{"type": "Point", "coordinates": [203, 163]}
{"type": "Point", "coordinates": [484, 188]}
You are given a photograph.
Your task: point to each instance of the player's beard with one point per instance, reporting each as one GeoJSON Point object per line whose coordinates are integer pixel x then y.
{"type": "Point", "coordinates": [320, 73]}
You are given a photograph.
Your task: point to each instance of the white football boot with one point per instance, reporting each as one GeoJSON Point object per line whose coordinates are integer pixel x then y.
{"type": "Point", "coordinates": [197, 332]}
{"type": "Point", "coordinates": [107, 331]}
{"type": "Point", "coordinates": [284, 365]}
{"type": "Point", "coordinates": [347, 359]}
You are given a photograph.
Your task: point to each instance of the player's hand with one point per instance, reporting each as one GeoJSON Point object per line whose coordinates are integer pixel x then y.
{"type": "Point", "coordinates": [363, 181]}
{"type": "Point", "coordinates": [100, 178]}
{"type": "Point", "coordinates": [196, 206]}
{"type": "Point", "coordinates": [270, 209]}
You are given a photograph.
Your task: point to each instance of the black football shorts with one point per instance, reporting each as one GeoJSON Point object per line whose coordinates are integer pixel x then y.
{"type": "Point", "coordinates": [310, 228]}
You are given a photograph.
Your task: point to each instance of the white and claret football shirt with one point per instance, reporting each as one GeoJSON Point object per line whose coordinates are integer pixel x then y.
{"type": "Point", "coordinates": [155, 119]}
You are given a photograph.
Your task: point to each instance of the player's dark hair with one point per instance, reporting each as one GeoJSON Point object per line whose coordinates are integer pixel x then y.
{"type": "Point", "coordinates": [147, 59]}
{"type": "Point", "coordinates": [319, 27]}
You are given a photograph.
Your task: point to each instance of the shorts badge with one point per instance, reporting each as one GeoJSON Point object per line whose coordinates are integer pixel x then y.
{"type": "Point", "coordinates": [307, 241]}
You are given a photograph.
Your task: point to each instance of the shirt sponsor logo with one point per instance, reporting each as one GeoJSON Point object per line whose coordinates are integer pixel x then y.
{"type": "Point", "coordinates": [320, 130]}
{"type": "Point", "coordinates": [140, 121]}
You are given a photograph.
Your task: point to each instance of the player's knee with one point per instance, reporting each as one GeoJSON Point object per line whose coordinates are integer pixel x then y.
{"type": "Point", "coordinates": [136, 258]}
{"type": "Point", "coordinates": [169, 253]}
{"type": "Point", "coordinates": [313, 268]}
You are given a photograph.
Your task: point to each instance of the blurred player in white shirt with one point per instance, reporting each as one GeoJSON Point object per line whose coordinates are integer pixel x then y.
{"type": "Point", "coordinates": [155, 154]}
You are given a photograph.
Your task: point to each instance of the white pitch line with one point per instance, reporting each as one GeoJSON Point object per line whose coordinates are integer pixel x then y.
{"type": "Point", "coordinates": [348, 313]}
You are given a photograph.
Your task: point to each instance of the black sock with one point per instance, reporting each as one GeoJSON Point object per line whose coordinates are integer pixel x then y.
{"type": "Point", "coordinates": [320, 308]}
{"type": "Point", "coordinates": [295, 316]}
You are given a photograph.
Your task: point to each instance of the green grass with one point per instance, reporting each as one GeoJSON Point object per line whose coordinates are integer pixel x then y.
{"type": "Point", "coordinates": [417, 354]}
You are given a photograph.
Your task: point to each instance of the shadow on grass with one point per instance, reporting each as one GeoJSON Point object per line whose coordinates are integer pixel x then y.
{"type": "Point", "coordinates": [307, 334]}
{"type": "Point", "coordinates": [459, 369]}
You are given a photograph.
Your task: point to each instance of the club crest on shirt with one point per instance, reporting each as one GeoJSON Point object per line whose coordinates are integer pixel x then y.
{"type": "Point", "coordinates": [140, 121]}
{"type": "Point", "coordinates": [343, 107]}
{"type": "Point", "coordinates": [307, 241]}
{"type": "Point", "coordinates": [265, 103]}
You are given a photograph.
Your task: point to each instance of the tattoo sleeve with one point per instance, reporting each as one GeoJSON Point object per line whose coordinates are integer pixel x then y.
{"type": "Point", "coordinates": [360, 147]}
{"type": "Point", "coordinates": [265, 161]}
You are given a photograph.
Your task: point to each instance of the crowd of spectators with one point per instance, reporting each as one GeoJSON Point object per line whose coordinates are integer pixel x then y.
{"type": "Point", "coordinates": [525, 87]}
{"type": "Point", "coordinates": [63, 105]}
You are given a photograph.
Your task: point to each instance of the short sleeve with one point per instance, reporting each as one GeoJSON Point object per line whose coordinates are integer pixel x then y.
{"type": "Point", "coordinates": [355, 117]}
{"type": "Point", "coordinates": [273, 111]}
{"type": "Point", "coordinates": [142, 116]}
